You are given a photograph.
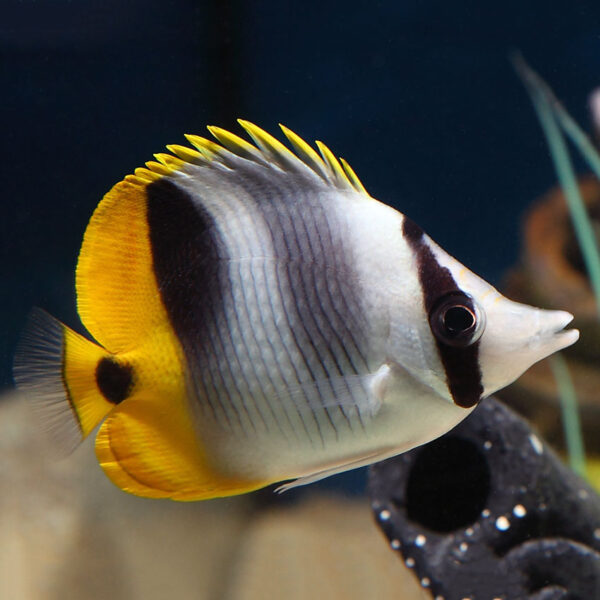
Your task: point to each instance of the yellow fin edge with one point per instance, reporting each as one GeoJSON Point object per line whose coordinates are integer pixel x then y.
{"type": "Point", "coordinates": [267, 148]}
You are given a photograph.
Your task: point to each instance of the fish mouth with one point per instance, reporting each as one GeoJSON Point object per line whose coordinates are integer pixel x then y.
{"type": "Point", "coordinates": [553, 334]}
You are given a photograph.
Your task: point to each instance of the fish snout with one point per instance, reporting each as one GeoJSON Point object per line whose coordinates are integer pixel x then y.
{"type": "Point", "coordinates": [551, 334]}
{"type": "Point", "coordinates": [516, 337]}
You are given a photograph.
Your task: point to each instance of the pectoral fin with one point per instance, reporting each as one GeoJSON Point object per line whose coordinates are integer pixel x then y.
{"type": "Point", "coordinates": [361, 394]}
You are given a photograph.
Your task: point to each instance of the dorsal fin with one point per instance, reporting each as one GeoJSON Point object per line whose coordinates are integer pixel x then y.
{"type": "Point", "coordinates": [266, 150]}
{"type": "Point", "coordinates": [116, 287]}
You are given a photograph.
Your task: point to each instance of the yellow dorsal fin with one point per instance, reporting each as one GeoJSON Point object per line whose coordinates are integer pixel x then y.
{"type": "Point", "coordinates": [117, 297]}
{"type": "Point", "coordinates": [335, 168]}
{"type": "Point", "coordinates": [266, 150]}
{"type": "Point", "coordinates": [353, 177]}
{"type": "Point", "coordinates": [207, 148]}
{"type": "Point", "coordinates": [236, 144]}
{"type": "Point", "coordinates": [171, 162]}
{"type": "Point", "coordinates": [115, 260]}
{"type": "Point", "coordinates": [269, 145]}
{"type": "Point", "coordinates": [306, 153]}
{"type": "Point", "coordinates": [158, 168]}
{"type": "Point", "coordinates": [186, 154]}
{"type": "Point", "coordinates": [142, 175]}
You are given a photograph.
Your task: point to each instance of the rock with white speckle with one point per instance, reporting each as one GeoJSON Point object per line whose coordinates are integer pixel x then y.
{"type": "Point", "coordinates": [489, 511]}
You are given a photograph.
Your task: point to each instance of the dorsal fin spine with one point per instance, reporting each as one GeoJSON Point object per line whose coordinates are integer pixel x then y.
{"type": "Point", "coordinates": [207, 148]}
{"type": "Point", "coordinates": [186, 154]}
{"type": "Point", "coordinates": [269, 145]}
{"type": "Point", "coordinates": [332, 163]}
{"type": "Point", "coordinates": [142, 176]}
{"type": "Point", "coordinates": [236, 144]}
{"type": "Point", "coordinates": [356, 182]}
{"type": "Point", "coordinates": [171, 162]}
{"type": "Point", "coordinates": [306, 153]}
{"type": "Point", "coordinates": [267, 151]}
{"type": "Point", "coordinates": [158, 168]}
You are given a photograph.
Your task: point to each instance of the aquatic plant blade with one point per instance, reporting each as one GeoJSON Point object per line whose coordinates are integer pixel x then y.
{"type": "Point", "coordinates": [548, 108]}
{"type": "Point", "coordinates": [570, 414]}
{"type": "Point", "coordinates": [579, 138]}
{"type": "Point", "coordinates": [566, 175]}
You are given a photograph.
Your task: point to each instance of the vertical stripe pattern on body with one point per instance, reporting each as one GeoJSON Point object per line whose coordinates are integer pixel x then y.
{"type": "Point", "coordinates": [260, 292]}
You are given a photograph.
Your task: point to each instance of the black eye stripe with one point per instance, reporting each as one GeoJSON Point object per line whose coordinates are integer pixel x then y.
{"type": "Point", "coordinates": [461, 365]}
{"type": "Point", "coordinates": [454, 320]}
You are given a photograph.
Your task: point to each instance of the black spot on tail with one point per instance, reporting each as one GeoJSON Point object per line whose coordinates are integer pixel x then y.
{"type": "Point", "coordinates": [114, 379]}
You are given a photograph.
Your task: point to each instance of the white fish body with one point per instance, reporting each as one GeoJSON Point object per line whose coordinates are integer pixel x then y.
{"type": "Point", "coordinates": [401, 398]}
{"type": "Point", "coordinates": [318, 329]}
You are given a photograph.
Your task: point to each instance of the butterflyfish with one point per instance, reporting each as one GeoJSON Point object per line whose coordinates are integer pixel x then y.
{"type": "Point", "coordinates": [257, 318]}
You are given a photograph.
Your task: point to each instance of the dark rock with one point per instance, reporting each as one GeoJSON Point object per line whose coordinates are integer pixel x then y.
{"type": "Point", "coordinates": [489, 511]}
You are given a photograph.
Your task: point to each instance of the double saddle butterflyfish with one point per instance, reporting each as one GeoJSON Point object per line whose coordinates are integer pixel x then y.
{"type": "Point", "coordinates": [257, 317]}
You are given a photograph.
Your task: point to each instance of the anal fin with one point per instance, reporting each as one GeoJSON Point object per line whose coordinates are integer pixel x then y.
{"type": "Point", "coordinates": [338, 468]}
{"type": "Point", "coordinates": [150, 449]}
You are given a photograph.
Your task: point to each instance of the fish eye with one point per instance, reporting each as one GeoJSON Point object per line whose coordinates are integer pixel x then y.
{"type": "Point", "coordinates": [456, 320]}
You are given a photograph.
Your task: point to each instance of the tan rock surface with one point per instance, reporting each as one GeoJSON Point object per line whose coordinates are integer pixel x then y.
{"type": "Point", "coordinates": [66, 532]}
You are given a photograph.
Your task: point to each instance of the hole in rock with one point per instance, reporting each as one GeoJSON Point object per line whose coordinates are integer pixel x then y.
{"type": "Point", "coordinates": [448, 485]}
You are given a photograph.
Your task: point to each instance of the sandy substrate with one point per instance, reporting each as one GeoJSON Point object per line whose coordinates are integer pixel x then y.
{"type": "Point", "coordinates": [67, 532]}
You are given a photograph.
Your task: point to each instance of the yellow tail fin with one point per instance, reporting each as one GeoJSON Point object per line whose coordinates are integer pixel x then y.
{"type": "Point", "coordinates": [57, 369]}
{"type": "Point", "coordinates": [147, 445]}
